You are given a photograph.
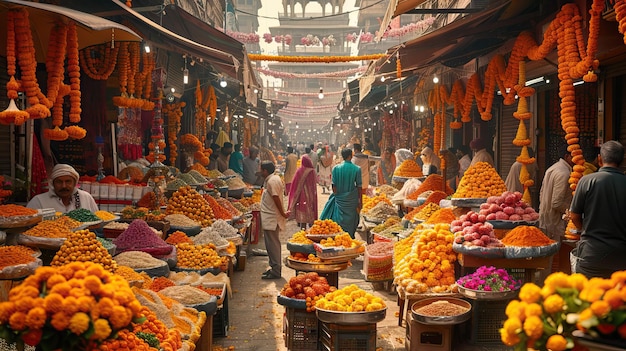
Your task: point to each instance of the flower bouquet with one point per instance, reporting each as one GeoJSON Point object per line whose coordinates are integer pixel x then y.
{"type": "Point", "coordinates": [489, 283]}
{"type": "Point", "coordinates": [545, 317]}
{"type": "Point", "coordinates": [77, 306]}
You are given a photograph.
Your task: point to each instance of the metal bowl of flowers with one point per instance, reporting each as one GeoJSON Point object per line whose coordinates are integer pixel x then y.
{"type": "Point", "coordinates": [489, 283]}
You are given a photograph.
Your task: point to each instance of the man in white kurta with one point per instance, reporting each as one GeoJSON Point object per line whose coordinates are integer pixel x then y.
{"type": "Point", "coordinates": [480, 152]}
{"type": "Point", "coordinates": [63, 194]}
{"type": "Point", "coordinates": [273, 218]}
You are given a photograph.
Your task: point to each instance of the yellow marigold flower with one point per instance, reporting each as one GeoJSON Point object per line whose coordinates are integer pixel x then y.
{"type": "Point", "coordinates": [512, 325]}
{"type": "Point", "coordinates": [54, 280]}
{"type": "Point", "coordinates": [45, 272]}
{"type": "Point", "coordinates": [600, 308]}
{"type": "Point", "coordinates": [556, 342]}
{"type": "Point", "coordinates": [97, 270]}
{"type": "Point", "coordinates": [85, 303]}
{"type": "Point", "coordinates": [70, 306]}
{"type": "Point", "coordinates": [547, 290]}
{"type": "Point", "coordinates": [530, 293]}
{"type": "Point", "coordinates": [24, 304]}
{"type": "Point", "coordinates": [66, 271]}
{"type": "Point", "coordinates": [622, 293]}
{"type": "Point", "coordinates": [123, 296]}
{"type": "Point", "coordinates": [36, 318]}
{"type": "Point", "coordinates": [107, 290]}
{"type": "Point", "coordinates": [509, 339]}
{"type": "Point", "coordinates": [553, 304]}
{"type": "Point", "coordinates": [6, 309]}
{"type": "Point", "coordinates": [591, 294]}
{"type": "Point", "coordinates": [53, 303]}
{"type": "Point", "coordinates": [26, 291]}
{"type": "Point", "coordinates": [578, 281]}
{"type": "Point", "coordinates": [102, 329]}
{"type": "Point", "coordinates": [79, 323]}
{"type": "Point", "coordinates": [619, 278]}
{"type": "Point", "coordinates": [533, 327]}
{"type": "Point", "coordinates": [76, 283]}
{"type": "Point", "coordinates": [533, 309]}
{"type": "Point", "coordinates": [557, 280]}
{"type": "Point", "coordinates": [93, 283]}
{"type": "Point", "coordinates": [135, 307]}
{"type": "Point", "coordinates": [613, 297]}
{"type": "Point", "coordinates": [17, 321]}
{"type": "Point", "coordinates": [62, 288]}
{"type": "Point", "coordinates": [512, 309]}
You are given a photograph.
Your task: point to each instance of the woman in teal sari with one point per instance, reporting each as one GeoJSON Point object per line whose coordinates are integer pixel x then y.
{"type": "Point", "coordinates": [344, 204]}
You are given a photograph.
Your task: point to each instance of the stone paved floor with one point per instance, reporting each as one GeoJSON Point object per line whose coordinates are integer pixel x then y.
{"type": "Point", "coordinates": [256, 319]}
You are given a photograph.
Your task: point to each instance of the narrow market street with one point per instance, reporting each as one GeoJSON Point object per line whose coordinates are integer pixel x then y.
{"type": "Point", "coordinates": [256, 318]}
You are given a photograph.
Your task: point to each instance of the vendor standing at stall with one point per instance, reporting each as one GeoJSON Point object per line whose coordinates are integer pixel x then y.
{"type": "Point", "coordinates": [273, 218]}
{"type": "Point", "coordinates": [64, 196]}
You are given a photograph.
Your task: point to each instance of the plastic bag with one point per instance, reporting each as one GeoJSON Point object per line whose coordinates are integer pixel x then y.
{"type": "Point", "coordinates": [409, 186]}
{"type": "Point", "coordinates": [402, 155]}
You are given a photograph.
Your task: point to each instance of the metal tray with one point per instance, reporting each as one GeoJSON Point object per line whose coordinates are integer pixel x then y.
{"type": "Point", "coordinates": [468, 202]}
{"type": "Point", "coordinates": [350, 318]}
{"type": "Point", "coordinates": [488, 295]}
{"type": "Point", "coordinates": [316, 266]}
{"type": "Point", "coordinates": [441, 320]}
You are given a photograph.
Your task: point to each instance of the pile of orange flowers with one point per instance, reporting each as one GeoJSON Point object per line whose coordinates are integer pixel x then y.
{"type": "Point", "coordinates": [189, 143]}
{"type": "Point", "coordinates": [72, 307]}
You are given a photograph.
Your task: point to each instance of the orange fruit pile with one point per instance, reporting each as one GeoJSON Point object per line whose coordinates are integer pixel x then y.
{"type": "Point", "coordinates": [189, 202]}
{"type": "Point", "coordinates": [325, 226]}
{"type": "Point", "coordinates": [82, 246]}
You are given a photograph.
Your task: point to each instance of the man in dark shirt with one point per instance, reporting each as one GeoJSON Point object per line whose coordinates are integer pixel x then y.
{"type": "Point", "coordinates": [598, 211]}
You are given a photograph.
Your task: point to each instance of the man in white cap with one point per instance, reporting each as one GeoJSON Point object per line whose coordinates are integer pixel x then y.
{"type": "Point", "coordinates": [63, 195]}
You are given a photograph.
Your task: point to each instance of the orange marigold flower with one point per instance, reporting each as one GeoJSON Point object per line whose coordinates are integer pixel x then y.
{"type": "Point", "coordinates": [24, 304]}
{"type": "Point", "coordinates": [79, 323]}
{"type": "Point", "coordinates": [36, 318]}
{"type": "Point", "coordinates": [6, 309]}
{"type": "Point", "coordinates": [614, 298]}
{"type": "Point", "coordinates": [600, 308]}
{"type": "Point", "coordinates": [62, 288]}
{"type": "Point", "coordinates": [530, 293]}
{"type": "Point", "coordinates": [512, 326]}
{"type": "Point", "coordinates": [93, 283]}
{"type": "Point", "coordinates": [119, 317]}
{"type": "Point", "coordinates": [70, 306]}
{"type": "Point", "coordinates": [553, 304]}
{"type": "Point", "coordinates": [556, 343]}
{"type": "Point", "coordinates": [85, 303]}
{"type": "Point", "coordinates": [533, 309]}
{"type": "Point", "coordinates": [97, 270]}
{"type": "Point", "coordinates": [53, 303]}
{"type": "Point", "coordinates": [17, 321]}
{"type": "Point", "coordinates": [533, 327]}
{"type": "Point", "coordinates": [577, 281]}
{"type": "Point", "coordinates": [54, 280]}
{"type": "Point", "coordinates": [106, 307]}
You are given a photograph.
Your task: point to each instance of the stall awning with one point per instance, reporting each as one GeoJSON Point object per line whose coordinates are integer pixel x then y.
{"type": "Point", "coordinates": [178, 32]}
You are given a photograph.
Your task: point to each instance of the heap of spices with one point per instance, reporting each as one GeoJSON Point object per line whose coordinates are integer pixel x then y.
{"type": "Point", "coordinates": [441, 308]}
{"type": "Point", "coordinates": [525, 235]}
{"type": "Point", "coordinates": [442, 215]}
{"type": "Point", "coordinates": [138, 235]}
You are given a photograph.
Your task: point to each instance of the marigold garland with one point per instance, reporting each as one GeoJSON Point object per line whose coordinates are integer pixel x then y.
{"type": "Point", "coordinates": [257, 57]}
{"type": "Point", "coordinates": [55, 134]}
{"type": "Point", "coordinates": [173, 113]}
{"type": "Point", "coordinates": [73, 71]}
{"type": "Point", "coordinates": [98, 62]}
{"type": "Point", "coordinates": [212, 101]}
{"type": "Point", "coordinates": [75, 132]}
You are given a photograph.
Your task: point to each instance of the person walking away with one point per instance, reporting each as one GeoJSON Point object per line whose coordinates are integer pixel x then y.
{"type": "Point", "coordinates": [480, 153]}
{"type": "Point", "coordinates": [387, 167]}
{"type": "Point", "coordinates": [313, 154]}
{"type": "Point", "coordinates": [325, 163]}
{"type": "Point", "coordinates": [555, 197]}
{"type": "Point", "coordinates": [236, 160]}
{"type": "Point", "coordinates": [224, 157]}
{"type": "Point", "coordinates": [362, 161]}
{"type": "Point", "coordinates": [251, 167]}
{"type": "Point", "coordinates": [598, 211]}
{"type": "Point", "coordinates": [273, 218]}
{"type": "Point", "coordinates": [303, 194]}
{"type": "Point", "coordinates": [429, 158]}
{"type": "Point", "coordinates": [63, 195]}
{"type": "Point", "coordinates": [512, 179]}
{"type": "Point", "coordinates": [345, 202]}
{"type": "Point", "coordinates": [291, 164]}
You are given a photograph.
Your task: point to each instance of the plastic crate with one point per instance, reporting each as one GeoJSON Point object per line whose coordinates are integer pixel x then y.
{"type": "Point", "coordinates": [487, 319]}
{"type": "Point", "coordinates": [301, 329]}
{"type": "Point", "coordinates": [220, 319]}
{"type": "Point", "coordinates": [335, 337]}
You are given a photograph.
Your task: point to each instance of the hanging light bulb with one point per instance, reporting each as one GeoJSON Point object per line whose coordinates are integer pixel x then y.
{"type": "Point", "coordinates": [422, 108]}
{"type": "Point", "coordinates": [435, 79]}
{"type": "Point", "coordinates": [226, 119]}
{"type": "Point", "coordinates": [382, 79]}
{"type": "Point", "coordinates": [321, 94]}
{"type": "Point", "coordinates": [146, 47]}
{"type": "Point", "coordinates": [185, 73]}
{"type": "Point", "coordinates": [223, 82]}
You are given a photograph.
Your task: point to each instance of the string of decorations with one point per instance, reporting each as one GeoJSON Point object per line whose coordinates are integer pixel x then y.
{"type": "Point", "coordinates": [289, 93]}
{"type": "Point", "coordinates": [288, 75]}
{"type": "Point", "coordinates": [324, 59]}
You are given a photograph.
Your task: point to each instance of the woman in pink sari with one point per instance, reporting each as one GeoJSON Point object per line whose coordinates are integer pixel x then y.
{"type": "Point", "coordinates": [303, 194]}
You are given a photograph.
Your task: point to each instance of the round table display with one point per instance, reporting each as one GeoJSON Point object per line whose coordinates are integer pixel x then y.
{"type": "Point", "coordinates": [488, 295]}
{"type": "Point", "coordinates": [350, 318]}
{"type": "Point", "coordinates": [532, 251]}
{"type": "Point", "coordinates": [306, 266]}
{"type": "Point", "coordinates": [480, 251]}
{"type": "Point", "coordinates": [442, 319]}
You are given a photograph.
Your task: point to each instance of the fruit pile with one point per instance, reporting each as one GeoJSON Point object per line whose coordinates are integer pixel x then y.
{"type": "Point", "coordinates": [350, 299]}
{"type": "Point", "coordinates": [189, 202]}
{"type": "Point", "coordinates": [370, 202]}
{"type": "Point", "coordinates": [301, 256]}
{"type": "Point", "coordinates": [199, 257]}
{"type": "Point", "coordinates": [82, 246]}
{"type": "Point", "coordinates": [471, 229]}
{"type": "Point", "coordinates": [325, 227]}
{"type": "Point", "coordinates": [508, 207]}
{"type": "Point", "coordinates": [300, 238]}
{"type": "Point", "coordinates": [308, 286]}
{"type": "Point", "coordinates": [480, 181]}
{"type": "Point", "coordinates": [429, 265]}
{"type": "Point", "coordinates": [408, 169]}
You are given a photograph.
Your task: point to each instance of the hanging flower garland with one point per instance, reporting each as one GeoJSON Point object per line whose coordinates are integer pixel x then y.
{"type": "Point", "coordinates": [173, 113]}
{"type": "Point", "coordinates": [130, 77]}
{"type": "Point", "coordinates": [398, 67]}
{"type": "Point", "coordinates": [152, 155]}
{"type": "Point", "coordinates": [190, 144]}
{"type": "Point", "coordinates": [201, 117]}
{"type": "Point", "coordinates": [98, 62]}
{"type": "Point", "coordinates": [521, 137]}
{"type": "Point", "coordinates": [12, 114]}
{"type": "Point", "coordinates": [287, 75]}
{"type": "Point", "coordinates": [73, 71]}
{"type": "Point", "coordinates": [246, 38]}
{"type": "Point", "coordinates": [212, 104]}
{"type": "Point", "coordinates": [411, 28]}
{"type": "Point", "coordinates": [258, 57]}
